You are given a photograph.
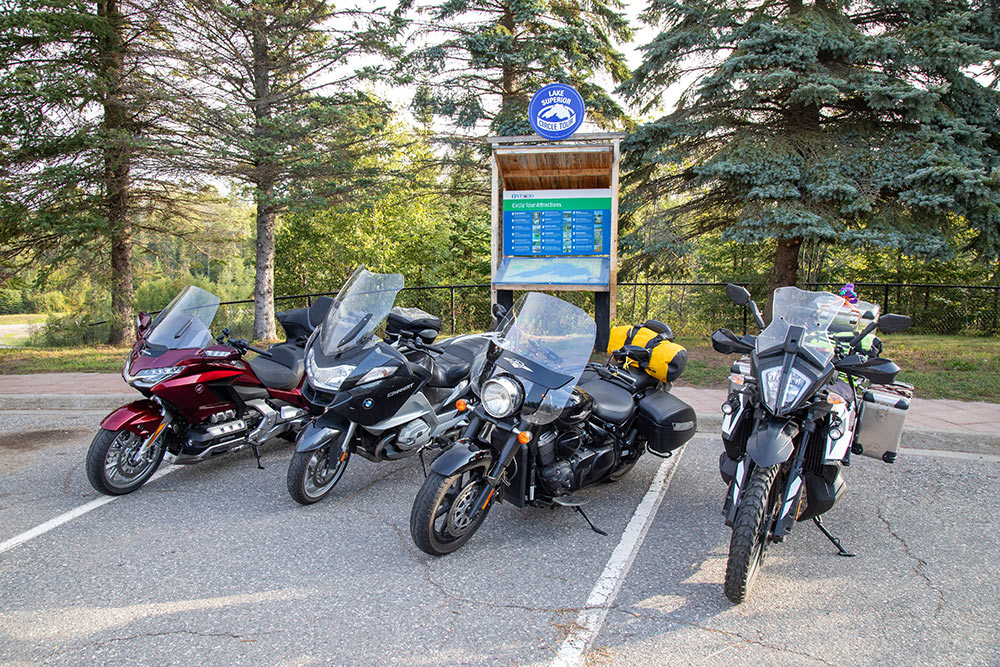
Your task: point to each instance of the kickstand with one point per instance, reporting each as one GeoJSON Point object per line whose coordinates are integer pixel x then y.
{"type": "Point", "coordinates": [841, 550]}
{"type": "Point", "coordinates": [422, 464]}
{"type": "Point", "coordinates": [256, 452]}
{"type": "Point", "coordinates": [587, 518]}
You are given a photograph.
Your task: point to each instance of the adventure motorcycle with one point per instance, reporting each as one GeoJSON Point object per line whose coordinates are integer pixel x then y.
{"type": "Point", "coordinates": [804, 398]}
{"type": "Point", "coordinates": [384, 400]}
{"type": "Point", "coordinates": [537, 437]}
{"type": "Point", "coordinates": [202, 399]}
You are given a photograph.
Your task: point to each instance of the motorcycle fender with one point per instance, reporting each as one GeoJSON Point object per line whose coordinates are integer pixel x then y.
{"type": "Point", "coordinates": [773, 442]}
{"type": "Point", "coordinates": [461, 456]}
{"type": "Point", "coordinates": [140, 417]}
{"type": "Point", "coordinates": [735, 490]}
{"type": "Point", "coordinates": [326, 428]}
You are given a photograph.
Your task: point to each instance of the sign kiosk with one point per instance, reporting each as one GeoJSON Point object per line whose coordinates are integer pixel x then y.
{"type": "Point", "coordinates": [554, 210]}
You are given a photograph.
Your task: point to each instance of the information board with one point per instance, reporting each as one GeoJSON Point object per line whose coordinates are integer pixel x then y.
{"type": "Point", "coordinates": [557, 222]}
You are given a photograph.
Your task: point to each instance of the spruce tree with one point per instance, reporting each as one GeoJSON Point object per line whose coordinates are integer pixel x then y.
{"type": "Point", "coordinates": [823, 122]}
{"type": "Point", "coordinates": [269, 96]}
{"type": "Point", "coordinates": [478, 62]}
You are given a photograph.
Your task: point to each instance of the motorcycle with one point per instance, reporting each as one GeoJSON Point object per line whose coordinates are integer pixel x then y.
{"type": "Point", "coordinates": [384, 400]}
{"type": "Point", "coordinates": [542, 428]}
{"type": "Point", "coordinates": [202, 399]}
{"type": "Point", "coordinates": [810, 391]}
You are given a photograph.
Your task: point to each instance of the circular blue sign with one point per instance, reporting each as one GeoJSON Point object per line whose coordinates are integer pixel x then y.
{"type": "Point", "coordinates": [556, 111]}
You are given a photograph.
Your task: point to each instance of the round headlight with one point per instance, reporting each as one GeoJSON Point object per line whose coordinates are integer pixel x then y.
{"type": "Point", "coordinates": [502, 396]}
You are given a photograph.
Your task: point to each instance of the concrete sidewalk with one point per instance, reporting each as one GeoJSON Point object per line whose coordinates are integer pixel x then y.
{"type": "Point", "coordinates": [975, 422]}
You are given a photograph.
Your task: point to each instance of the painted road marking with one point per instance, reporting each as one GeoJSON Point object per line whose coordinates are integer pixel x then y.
{"type": "Point", "coordinates": [591, 618]}
{"type": "Point", "coordinates": [66, 517]}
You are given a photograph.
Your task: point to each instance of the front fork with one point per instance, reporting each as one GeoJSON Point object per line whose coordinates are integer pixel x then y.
{"type": "Point", "coordinates": [493, 477]}
{"type": "Point", "coordinates": [147, 446]}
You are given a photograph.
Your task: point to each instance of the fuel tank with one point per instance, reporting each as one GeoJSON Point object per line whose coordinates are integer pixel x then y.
{"type": "Point", "coordinates": [577, 409]}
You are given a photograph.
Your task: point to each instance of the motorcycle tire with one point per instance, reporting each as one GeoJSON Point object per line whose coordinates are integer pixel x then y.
{"type": "Point", "coordinates": [751, 533]}
{"type": "Point", "coordinates": [310, 476]}
{"type": "Point", "coordinates": [110, 473]}
{"type": "Point", "coordinates": [439, 522]}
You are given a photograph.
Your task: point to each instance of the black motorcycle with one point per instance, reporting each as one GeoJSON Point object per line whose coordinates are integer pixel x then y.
{"type": "Point", "coordinates": [535, 437]}
{"type": "Point", "coordinates": [383, 399]}
{"type": "Point", "coordinates": [804, 399]}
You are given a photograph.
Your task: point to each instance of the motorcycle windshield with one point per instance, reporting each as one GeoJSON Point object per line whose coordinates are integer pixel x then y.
{"type": "Point", "coordinates": [545, 343]}
{"type": "Point", "coordinates": [813, 311]}
{"type": "Point", "coordinates": [361, 306]}
{"type": "Point", "coordinates": [185, 322]}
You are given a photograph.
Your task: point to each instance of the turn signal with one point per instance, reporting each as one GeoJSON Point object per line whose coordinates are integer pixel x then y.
{"type": "Point", "coordinates": [737, 378]}
{"type": "Point", "coordinates": [461, 405]}
{"type": "Point", "coordinates": [835, 399]}
{"type": "Point", "coordinates": [524, 437]}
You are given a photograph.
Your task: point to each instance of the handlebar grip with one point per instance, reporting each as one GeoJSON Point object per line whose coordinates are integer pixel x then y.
{"type": "Point", "coordinates": [263, 353]}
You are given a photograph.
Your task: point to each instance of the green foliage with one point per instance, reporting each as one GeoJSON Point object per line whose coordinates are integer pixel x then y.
{"type": "Point", "coordinates": [830, 123]}
{"type": "Point", "coordinates": [482, 61]}
{"type": "Point", "coordinates": [11, 301]}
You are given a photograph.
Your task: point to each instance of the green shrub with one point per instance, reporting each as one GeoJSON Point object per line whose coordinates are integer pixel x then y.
{"type": "Point", "coordinates": [11, 301]}
{"type": "Point", "coordinates": [46, 302]}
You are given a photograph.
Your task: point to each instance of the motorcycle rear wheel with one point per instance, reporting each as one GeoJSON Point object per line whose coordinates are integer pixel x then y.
{"type": "Point", "coordinates": [751, 533]}
{"type": "Point", "coordinates": [115, 463]}
{"type": "Point", "coordinates": [312, 475]}
{"type": "Point", "coordinates": [439, 520]}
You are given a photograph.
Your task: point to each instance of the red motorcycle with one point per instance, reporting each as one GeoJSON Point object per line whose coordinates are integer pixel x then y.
{"type": "Point", "coordinates": [202, 399]}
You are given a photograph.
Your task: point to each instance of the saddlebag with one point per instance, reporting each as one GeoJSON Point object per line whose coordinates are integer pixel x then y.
{"type": "Point", "coordinates": [666, 358]}
{"type": "Point", "coordinates": [880, 424]}
{"type": "Point", "coordinates": [410, 320]}
{"type": "Point", "coordinates": [666, 422]}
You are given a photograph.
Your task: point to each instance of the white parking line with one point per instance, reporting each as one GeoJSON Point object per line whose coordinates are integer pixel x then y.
{"type": "Point", "coordinates": [948, 454]}
{"type": "Point", "coordinates": [591, 618]}
{"type": "Point", "coordinates": [66, 517]}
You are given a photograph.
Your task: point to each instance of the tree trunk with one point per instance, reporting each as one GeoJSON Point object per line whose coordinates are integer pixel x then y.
{"type": "Point", "coordinates": [117, 157]}
{"type": "Point", "coordinates": [786, 263]}
{"type": "Point", "coordinates": [263, 292]}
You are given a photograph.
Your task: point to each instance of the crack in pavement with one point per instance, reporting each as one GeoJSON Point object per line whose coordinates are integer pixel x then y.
{"type": "Point", "coordinates": [86, 649]}
{"type": "Point", "coordinates": [918, 569]}
{"type": "Point", "coordinates": [725, 633]}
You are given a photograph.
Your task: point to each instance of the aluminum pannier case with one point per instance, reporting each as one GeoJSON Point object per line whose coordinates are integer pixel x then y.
{"type": "Point", "coordinates": [880, 424]}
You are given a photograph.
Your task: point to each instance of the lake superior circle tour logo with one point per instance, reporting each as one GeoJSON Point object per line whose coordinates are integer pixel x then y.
{"type": "Point", "coordinates": [556, 111]}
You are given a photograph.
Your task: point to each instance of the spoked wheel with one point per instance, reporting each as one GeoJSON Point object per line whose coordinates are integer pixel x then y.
{"type": "Point", "coordinates": [117, 464]}
{"type": "Point", "coordinates": [312, 475]}
{"type": "Point", "coordinates": [440, 520]}
{"type": "Point", "coordinates": [751, 532]}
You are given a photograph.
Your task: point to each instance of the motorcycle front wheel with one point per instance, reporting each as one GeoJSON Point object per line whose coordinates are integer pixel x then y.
{"type": "Point", "coordinates": [751, 532]}
{"type": "Point", "coordinates": [312, 475]}
{"type": "Point", "coordinates": [116, 463]}
{"type": "Point", "coordinates": [440, 521]}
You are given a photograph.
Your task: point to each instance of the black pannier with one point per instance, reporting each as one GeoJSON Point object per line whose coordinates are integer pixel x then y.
{"type": "Point", "coordinates": [411, 320]}
{"type": "Point", "coordinates": [666, 422]}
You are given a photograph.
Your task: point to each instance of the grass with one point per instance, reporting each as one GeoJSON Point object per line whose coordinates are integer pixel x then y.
{"type": "Point", "coordinates": [26, 318]}
{"type": "Point", "coordinates": [957, 367]}
{"type": "Point", "coordinates": [90, 359]}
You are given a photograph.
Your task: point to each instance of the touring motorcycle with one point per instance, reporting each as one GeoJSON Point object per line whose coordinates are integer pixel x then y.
{"type": "Point", "coordinates": [382, 399]}
{"type": "Point", "coordinates": [202, 399]}
{"type": "Point", "coordinates": [537, 432]}
{"type": "Point", "coordinates": [804, 398]}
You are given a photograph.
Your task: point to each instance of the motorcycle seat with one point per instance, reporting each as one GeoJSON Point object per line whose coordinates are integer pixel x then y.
{"type": "Point", "coordinates": [611, 402]}
{"type": "Point", "coordinates": [283, 370]}
{"type": "Point", "coordinates": [448, 370]}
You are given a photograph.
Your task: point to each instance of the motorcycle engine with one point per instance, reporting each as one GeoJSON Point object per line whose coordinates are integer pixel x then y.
{"type": "Point", "coordinates": [414, 434]}
{"type": "Point", "coordinates": [578, 462]}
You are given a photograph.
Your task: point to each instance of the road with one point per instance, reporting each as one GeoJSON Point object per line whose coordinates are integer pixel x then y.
{"type": "Point", "coordinates": [215, 563]}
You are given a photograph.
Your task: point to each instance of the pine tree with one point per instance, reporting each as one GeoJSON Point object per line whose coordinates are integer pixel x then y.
{"type": "Point", "coordinates": [269, 98]}
{"type": "Point", "coordinates": [830, 122]}
{"type": "Point", "coordinates": [479, 62]}
{"type": "Point", "coordinates": [76, 124]}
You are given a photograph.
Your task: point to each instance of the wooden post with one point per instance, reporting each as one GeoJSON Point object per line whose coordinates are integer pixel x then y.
{"type": "Point", "coordinates": [613, 286]}
{"type": "Point", "coordinates": [496, 219]}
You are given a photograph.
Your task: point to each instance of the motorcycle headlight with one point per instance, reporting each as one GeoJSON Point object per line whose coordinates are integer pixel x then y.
{"type": "Point", "coordinates": [795, 386]}
{"type": "Point", "coordinates": [150, 377]}
{"type": "Point", "coordinates": [501, 396]}
{"type": "Point", "coordinates": [327, 377]}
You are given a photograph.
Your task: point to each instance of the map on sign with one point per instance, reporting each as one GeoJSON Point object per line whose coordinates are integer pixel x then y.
{"type": "Point", "coordinates": [553, 271]}
{"type": "Point", "coordinates": [557, 222]}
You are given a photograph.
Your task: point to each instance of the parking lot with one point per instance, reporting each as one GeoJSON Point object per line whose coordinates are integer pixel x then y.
{"type": "Point", "coordinates": [215, 563]}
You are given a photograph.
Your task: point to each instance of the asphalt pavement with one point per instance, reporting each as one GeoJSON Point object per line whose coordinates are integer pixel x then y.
{"type": "Point", "coordinates": [215, 563]}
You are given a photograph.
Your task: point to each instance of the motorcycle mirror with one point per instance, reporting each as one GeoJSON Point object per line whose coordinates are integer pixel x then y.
{"type": "Point", "coordinates": [893, 323]}
{"type": "Point", "coordinates": [427, 335]}
{"type": "Point", "coordinates": [869, 315]}
{"type": "Point", "coordinates": [738, 294]}
{"type": "Point", "coordinates": [499, 311]}
{"type": "Point", "coordinates": [142, 321]}
{"type": "Point", "coordinates": [660, 328]}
